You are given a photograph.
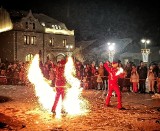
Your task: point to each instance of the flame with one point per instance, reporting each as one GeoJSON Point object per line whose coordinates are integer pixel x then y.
{"type": "Point", "coordinates": [44, 91]}
{"type": "Point", "coordinates": [74, 103]}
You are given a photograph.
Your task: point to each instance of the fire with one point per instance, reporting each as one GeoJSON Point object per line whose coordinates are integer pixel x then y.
{"type": "Point", "coordinates": [73, 103]}
{"type": "Point", "coordinates": [43, 90]}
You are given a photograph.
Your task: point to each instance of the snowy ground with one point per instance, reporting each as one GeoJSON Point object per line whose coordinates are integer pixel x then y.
{"type": "Point", "coordinates": [19, 110]}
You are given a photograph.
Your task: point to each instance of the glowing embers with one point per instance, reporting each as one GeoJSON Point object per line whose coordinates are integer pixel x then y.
{"type": "Point", "coordinates": [43, 90]}
{"type": "Point", "coordinates": [5, 21]}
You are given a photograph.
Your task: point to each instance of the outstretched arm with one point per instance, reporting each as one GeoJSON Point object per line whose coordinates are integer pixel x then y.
{"type": "Point", "coordinates": [106, 66]}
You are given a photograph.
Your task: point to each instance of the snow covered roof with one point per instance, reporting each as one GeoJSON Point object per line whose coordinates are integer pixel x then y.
{"type": "Point", "coordinates": [16, 16]}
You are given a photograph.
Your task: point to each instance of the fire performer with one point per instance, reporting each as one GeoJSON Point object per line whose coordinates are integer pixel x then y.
{"type": "Point", "coordinates": [60, 84]}
{"type": "Point", "coordinates": [114, 73]}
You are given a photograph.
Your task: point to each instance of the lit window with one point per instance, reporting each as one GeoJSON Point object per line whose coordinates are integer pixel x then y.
{"type": "Point", "coordinates": [59, 27]}
{"type": "Point", "coordinates": [56, 27]}
{"type": "Point", "coordinates": [53, 26]}
{"type": "Point", "coordinates": [43, 24]}
{"type": "Point", "coordinates": [33, 38]}
{"type": "Point", "coordinates": [51, 42]}
{"type": "Point", "coordinates": [64, 43]}
{"type": "Point", "coordinates": [26, 39]}
{"type": "Point", "coordinates": [29, 57]}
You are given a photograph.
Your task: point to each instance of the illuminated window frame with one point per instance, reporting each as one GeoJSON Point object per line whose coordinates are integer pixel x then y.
{"type": "Point", "coordinates": [51, 42]}
{"type": "Point", "coordinates": [26, 39]}
{"type": "Point", "coordinates": [33, 40]}
{"type": "Point", "coordinates": [64, 42]}
{"type": "Point", "coordinates": [29, 57]}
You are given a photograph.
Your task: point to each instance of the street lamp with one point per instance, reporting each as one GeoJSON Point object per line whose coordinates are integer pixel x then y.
{"type": "Point", "coordinates": [145, 52]}
{"type": "Point", "coordinates": [145, 42]}
{"type": "Point", "coordinates": [69, 48]}
{"type": "Point", "coordinates": [111, 51]}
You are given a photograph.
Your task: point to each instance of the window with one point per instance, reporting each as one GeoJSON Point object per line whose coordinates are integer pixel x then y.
{"type": "Point", "coordinates": [33, 38]}
{"type": "Point", "coordinates": [29, 57]}
{"type": "Point", "coordinates": [43, 24]}
{"type": "Point", "coordinates": [53, 26]}
{"type": "Point", "coordinates": [56, 27]}
{"type": "Point", "coordinates": [26, 39]}
{"type": "Point", "coordinates": [64, 43]}
{"type": "Point", "coordinates": [51, 42]}
{"type": "Point", "coordinates": [29, 40]}
{"type": "Point", "coordinates": [34, 27]}
{"type": "Point", "coordinates": [26, 25]}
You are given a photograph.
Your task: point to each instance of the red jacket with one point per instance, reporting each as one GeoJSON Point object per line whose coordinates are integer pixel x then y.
{"type": "Point", "coordinates": [60, 78]}
{"type": "Point", "coordinates": [112, 73]}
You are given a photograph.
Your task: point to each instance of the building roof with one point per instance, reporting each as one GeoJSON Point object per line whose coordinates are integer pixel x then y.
{"type": "Point", "coordinates": [16, 16]}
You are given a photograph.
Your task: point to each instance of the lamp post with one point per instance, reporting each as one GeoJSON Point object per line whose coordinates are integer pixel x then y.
{"type": "Point", "coordinates": [145, 52]}
{"type": "Point", "coordinates": [69, 48]}
{"type": "Point", "coordinates": [111, 51]}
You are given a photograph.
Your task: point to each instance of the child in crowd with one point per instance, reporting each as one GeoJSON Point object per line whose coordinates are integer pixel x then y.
{"type": "Point", "coordinates": [134, 79]}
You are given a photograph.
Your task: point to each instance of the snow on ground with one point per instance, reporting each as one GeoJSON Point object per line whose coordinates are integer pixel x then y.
{"type": "Point", "coordinates": [19, 110]}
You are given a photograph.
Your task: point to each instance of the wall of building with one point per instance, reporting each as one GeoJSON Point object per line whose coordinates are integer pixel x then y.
{"type": "Point", "coordinates": [25, 49]}
{"type": "Point", "coordinates": [6, 45]}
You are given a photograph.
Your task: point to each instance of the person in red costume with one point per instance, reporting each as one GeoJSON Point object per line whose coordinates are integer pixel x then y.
{"type": "Point", "coordinates": [60, 84]}
{"type": "Point", "coordinates": [114, 73]}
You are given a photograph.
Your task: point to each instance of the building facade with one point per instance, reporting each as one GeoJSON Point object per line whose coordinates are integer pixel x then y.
{"type": "Point", "coordinates": [35, 34]}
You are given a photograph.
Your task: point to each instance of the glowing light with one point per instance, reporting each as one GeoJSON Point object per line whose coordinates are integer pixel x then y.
{"type": "Point", "coordinates": [43, 24]}
{"type": "Point", "coordinates": [60, 31]}
{"type": "Point", "coordinates": [120, 70]}
{"type": "Point", "coordinates": [43, 90]}
{"type": "Point", "coordinates": [74, 103]}
{"type": "Point", "coordinates": [5, 21]}
{"type": "Point", "coordinates": [143, 40]}
{"type": "Point", "coordinates": [111, 46]}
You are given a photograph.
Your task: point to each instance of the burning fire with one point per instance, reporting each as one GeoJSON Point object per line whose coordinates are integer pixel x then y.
{"type": "Point", "coordinates": [73, 103]}
{"type": "Point", "coordinates": [44, 92]}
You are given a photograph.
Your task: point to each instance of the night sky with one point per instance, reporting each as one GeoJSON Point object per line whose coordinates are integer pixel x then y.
{"type": "Point", "coordinates": [134, 19]}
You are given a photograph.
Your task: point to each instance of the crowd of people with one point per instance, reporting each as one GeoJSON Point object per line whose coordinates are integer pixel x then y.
{"type": "Point", "coordinates": [92, 76]}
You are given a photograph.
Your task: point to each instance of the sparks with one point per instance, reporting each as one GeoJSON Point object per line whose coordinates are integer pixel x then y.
{"type": "Point", "coordinates": [43, 90]}
{"type": "Point", "coordinates": [74, 104]}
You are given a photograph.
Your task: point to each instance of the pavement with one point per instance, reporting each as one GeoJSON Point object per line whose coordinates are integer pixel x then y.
{"type": "Point", "coordinates": [20, 110]}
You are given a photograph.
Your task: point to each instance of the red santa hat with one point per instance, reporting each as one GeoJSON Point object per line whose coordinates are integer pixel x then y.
{"type": "Point", "coordinates": [114, 62]}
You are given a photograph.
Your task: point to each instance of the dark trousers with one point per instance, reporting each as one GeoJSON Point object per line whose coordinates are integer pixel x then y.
{"type": "Point", "coordinates": [142, 86]}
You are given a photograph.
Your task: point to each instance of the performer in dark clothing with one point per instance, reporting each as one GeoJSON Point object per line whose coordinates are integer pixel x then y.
{"type": "Point", "coordinates": [142, 71]}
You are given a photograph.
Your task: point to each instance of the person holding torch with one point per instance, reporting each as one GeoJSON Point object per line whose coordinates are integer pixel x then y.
{"type": "Point", "coordinates": [60, 84]}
